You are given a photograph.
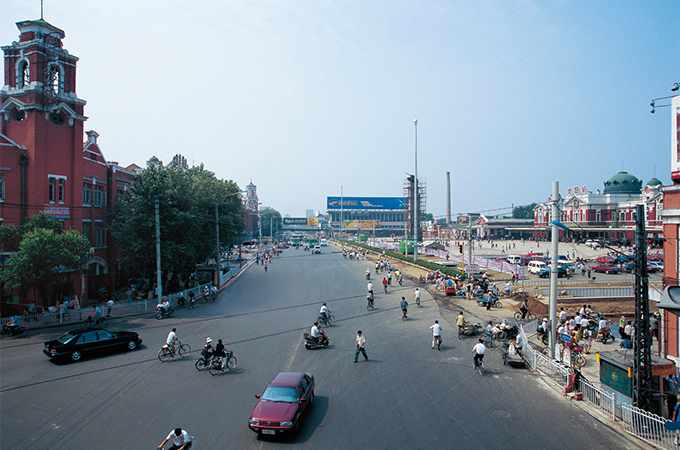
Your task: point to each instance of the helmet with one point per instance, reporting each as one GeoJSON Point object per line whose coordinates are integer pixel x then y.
{"type": "Point", "coordinates": [208, 340]}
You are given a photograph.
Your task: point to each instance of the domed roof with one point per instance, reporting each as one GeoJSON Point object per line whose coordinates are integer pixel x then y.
{"type": "Point", "coordinates": [623, 183]}
{"type": "Point", "coordinates": [654, 182]}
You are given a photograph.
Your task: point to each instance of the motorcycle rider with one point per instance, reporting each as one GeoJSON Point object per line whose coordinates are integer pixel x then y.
{"type": "Point", "coordinates": [325, 312]}
{"type": "Point", "coordinates": [436, 333]}
{"type": "Point", "coordinates": [164, 305]}
{"type": "Point", "coordinates": [404, 306]}
{"type": "Point", "coordinates": [316, 333]}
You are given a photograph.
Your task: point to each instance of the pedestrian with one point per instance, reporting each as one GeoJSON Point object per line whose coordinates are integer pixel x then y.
{"type": "Point", "coordinates": [622, 326]}
{"type": "Point", "coordinates": [129, 295]}
{"type": "Point", "coordinates": [589, 273]}
{"type": "Point", "coordinates": [361, 347]}
{"type": "Point", "coordinates": [109, 305]}
{"type": "Point", "coordinates": [587, 342]}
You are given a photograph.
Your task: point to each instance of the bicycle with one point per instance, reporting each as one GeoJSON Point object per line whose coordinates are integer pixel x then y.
{"type": "Point", "coordinates": [461, 330]}
{"type": "Point", "coordinates": [98, 322]}
{"type": "Point", "coordinates": [479, 366]}
{"type": "Point", "coordinates": [530, 317]}
{"type": "Point", "coordinates": [164, 354]}
{"type": "Point", "coordinates": [216, 366]}
{"type": "Point", "coordinates": [204, 362]}
{"type": "Point", "coordinates": [17, 331]}
{"type": "Point", "coordinates": [330, 318]}
{"type": "Point", "coordinates": [369, 304]}
{"type": "Point", "coordinates": [437, 341]}
{"type": "Point", "coordinates": [488, 341]}
{"type": "Point", "coordinates": [404, 316]}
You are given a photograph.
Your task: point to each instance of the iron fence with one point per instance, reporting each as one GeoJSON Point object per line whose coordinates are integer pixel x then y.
{"type": "Point", "coordinates": [647, 426]}
{"type": "Point", "coordinates": [598, 398]}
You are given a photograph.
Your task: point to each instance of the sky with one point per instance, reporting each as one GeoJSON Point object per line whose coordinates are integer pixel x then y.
{"type": "Point", "coordinates": [314, 98]}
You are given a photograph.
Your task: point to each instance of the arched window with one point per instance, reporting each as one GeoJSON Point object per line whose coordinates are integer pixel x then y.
{"type": "Point", "coordinates": [54, 79]}
{"type": "Point", "coordinates": [23, 74]}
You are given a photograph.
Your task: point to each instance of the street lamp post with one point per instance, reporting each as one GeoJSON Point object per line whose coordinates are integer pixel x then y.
{"type": "Point", "coordinates": [415, 200]}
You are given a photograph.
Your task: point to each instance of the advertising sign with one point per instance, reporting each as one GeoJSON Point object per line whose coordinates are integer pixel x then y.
{"type": "Point", "coordinates": [675, 138]}
{"type": "Point", "coordinates": [372, 203]}
{"type": "Point", "coordinates": [361, 224]}
{"type": "Point", "coordinates": [472, 268]}
{"type": "Point", "coordinates": [301, 221]}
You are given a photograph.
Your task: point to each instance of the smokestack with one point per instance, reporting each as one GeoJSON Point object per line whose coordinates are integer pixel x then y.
{"type": "Point", "coordinates": [448, 198]}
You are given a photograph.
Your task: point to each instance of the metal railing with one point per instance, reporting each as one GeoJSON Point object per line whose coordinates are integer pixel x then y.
{"type": "Point", "coordinates": [578, 281]}
{"type": "Point", "coordinates": [595, 292]}
{"type": "Point", "coordinates": [598, 398]}
{"type": "Point", "coordinates": [647, 426]}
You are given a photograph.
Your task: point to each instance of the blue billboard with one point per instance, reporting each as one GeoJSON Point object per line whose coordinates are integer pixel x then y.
{"type": "Point", "coordinates": [373, 203]}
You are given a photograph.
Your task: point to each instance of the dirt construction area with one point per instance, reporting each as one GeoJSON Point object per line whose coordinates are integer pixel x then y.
{"type": "Point", "coordinates": [536, 300]}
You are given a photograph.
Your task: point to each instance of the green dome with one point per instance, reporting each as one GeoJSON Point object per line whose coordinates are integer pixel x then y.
{"type": "Point", "coordinates": [654, 182]}
{"type": "Point", "coordinates": [623, 183]}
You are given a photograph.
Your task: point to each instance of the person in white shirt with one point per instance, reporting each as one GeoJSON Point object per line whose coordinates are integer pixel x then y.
{"type": "Point", "coordinates": [172, 338]}
{"type": "Point", "coordinates": [563, 315]}
{"type": "Point", "coordinates": [582, 311]}
{"type": "Point", "coordinates": [324, 311]}
{"type": "Point", "coordinates": [180, 440]}
{"type": "Point", "coordinates": [370, 287]}
{"type": "Point", "coordinates": [519, 343]}
{"type": "Point", "coordinates": [507, 287]}
{"type": "Point", "coordinates": [315, 332]}
{"type": "Point", "coordinates": [603, 323]}
{"type": "Point", "coordinates": [584, 323]}
{"type": "Point", "coordinates": [361, 343]}
{"type": "Point", "coordinates": [164, 304]}
{"type": "Point", "coordinates": [109, 306]}
{"type": "Point", "coordinates": [479, 349]}
{"type": "Point", "coordinates": [436, 334]}
{"type": "Point", "coordinates": [416, 297]}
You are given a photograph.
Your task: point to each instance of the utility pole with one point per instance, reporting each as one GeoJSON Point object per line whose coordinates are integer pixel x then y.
{"type": "Point", "coordinates": [159, 277]}
{"type": "Point", "coordinates": [469, 238]}
{"type": "Point", "coordinates": [642, 365]}
{"type": "Point", "coordinates": [342, 221]}
{"type": "Point", "coordinates": [555, 234]}
{"type": "Point", "coordinates": [217, 240]}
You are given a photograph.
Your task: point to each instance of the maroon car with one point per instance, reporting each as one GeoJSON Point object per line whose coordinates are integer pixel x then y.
{"type": "Point", "coordinates": [282, 403]}
{"type": "Point", "coordinates": [606, 268]}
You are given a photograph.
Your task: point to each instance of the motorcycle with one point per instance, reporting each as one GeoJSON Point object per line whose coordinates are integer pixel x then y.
{"type": "Point", "coordinates": [311, 343]}
{"type": "Point", "coordinates": [162, 313]}
{"type": "Point", "coordinates": [495, 303]}
{"type": "Point", "coordinates": [469, 330]}
{"type": "Point", "coordinates": [604, 335]}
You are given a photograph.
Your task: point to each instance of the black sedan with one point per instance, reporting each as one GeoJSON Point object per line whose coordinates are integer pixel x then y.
{"type": "Point", "coordinates": [93, 341]}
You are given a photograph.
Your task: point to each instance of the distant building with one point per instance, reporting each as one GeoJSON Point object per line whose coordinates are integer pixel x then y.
{"type": "Point", "coordinates": [251, 208]}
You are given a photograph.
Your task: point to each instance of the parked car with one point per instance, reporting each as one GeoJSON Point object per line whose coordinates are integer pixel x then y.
{"type": "Point", "coordinates": [606, 260]}
{"type": "Point", "coordinates": [654, 266]}
{"type": "Point", "coordinates": [605, 268]}
{"type": "Point", "coordinates": [628, 267]}
{"type": "Point", "coordinates": [592, 244]}
{"type": "Point", "coordinates": [90, 342]}
{"type": "Point", "coordinates": [282, 403]}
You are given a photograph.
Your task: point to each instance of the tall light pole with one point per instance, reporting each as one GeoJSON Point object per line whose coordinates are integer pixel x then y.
{"type": "Point", "coordinates": [342, 222]}
{"type": "Point", "coordinates": [415, 200]}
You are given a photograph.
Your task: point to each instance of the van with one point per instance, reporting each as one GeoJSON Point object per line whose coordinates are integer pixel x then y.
{"type": "Point", "coordinates": [536, 266]}
{"type": "Point", "coordinates": [514, 259]}
{"type": "Point", "coordinates": [324, 242]}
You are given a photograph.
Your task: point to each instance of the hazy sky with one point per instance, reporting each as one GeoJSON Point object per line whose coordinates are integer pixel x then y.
{"type": "Point", "coordinates": [303, 97]}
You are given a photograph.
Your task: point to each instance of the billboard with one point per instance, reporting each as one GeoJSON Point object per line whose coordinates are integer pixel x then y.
{"type": "Point", "coordinates": [301, 221]}
{"type": "Point", "coordinates": [373, 203]}
{"type": "Point", "coordinates": [675, 138]}
{"type": "Point", "coordinates": [361, 224]}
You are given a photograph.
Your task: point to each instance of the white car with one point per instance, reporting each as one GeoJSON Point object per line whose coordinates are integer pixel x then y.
{"type": "Point", "coordinates": [316, 249]}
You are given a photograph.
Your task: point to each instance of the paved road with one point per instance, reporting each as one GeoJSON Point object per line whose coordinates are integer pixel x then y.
{"type": "Point", "coordinates": [405, 396]}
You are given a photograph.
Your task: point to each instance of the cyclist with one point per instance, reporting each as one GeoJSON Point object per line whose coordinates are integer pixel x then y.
{"type": "Point", "coordinates": [369, 286]}
{"type": "Point", "coordinates": [180, 440]}
{"type": "Point", "coordinates": [13, 324]}
{"type": "Point", "coordinates": [208, 349]}
{"type": "Point", "coordinates": [369, 298]}
{"type": "Point", "coordinates": [416, 297]}
{"type": "Point", "coordinates": [384, 283]}
{"type": "Point", "coordinates": [180, 299]}
{"type": "Point", "coordinates": [524, 309]}
{"type": "Point", "coordinates": [170, 341]}
{"type": "Point", "coordinates": [94, 315]}
{"type": "Point", "coordinates": [389, 279]}
{"type": "Point", "coordinates": [479, 350]}
{"type": "Point", "coordinates": [404, 306]}
{"type": "Point", "coordinates": [436, 333]}
{"type": "Point", "coordinates": [325, 312]}
{"type": "Point", "coordinates": [400, 277]}
{"type": "Point", "coordinates": [213, 291]}
{"type": "Point", "coordinates": [221, 352]}
{"type": "Point", "coordinates": [460, 321]}
{"type": "Point", "coordinates": [489, 330]}
{"type": "Point", "coordinates": [192, 299]}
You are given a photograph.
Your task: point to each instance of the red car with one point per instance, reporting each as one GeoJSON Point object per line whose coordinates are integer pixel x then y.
{"type": "Point", "coordinates": [282, 403]}
{"type": "Point", "coordinates": [606, 268]}
{"type": "Point", "coordinates": [606, 260]}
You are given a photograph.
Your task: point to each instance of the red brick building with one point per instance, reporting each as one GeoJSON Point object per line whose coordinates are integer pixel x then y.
{"type": "Point", "coordinates": [46, 164]}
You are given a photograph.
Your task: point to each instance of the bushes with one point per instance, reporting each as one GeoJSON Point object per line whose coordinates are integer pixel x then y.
{"type": "Point", "coordinates": [396, 255]}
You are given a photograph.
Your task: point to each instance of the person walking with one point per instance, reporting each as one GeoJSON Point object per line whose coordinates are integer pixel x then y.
{"type": "Point", "coordinates": [109, 305]}
{"type": "Point", "coordinates": [361, 347]}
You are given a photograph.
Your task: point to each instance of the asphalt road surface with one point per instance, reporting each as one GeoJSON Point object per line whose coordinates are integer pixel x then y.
{"type": "Point", "coordinates": [406, 396]}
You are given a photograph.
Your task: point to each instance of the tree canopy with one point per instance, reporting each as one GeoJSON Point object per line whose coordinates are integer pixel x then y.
{"type": "Point", "coordinates": [44, 252]}
{"type": "Point", "coordinates": [270, 221]}
{"type": "Point", "coordinates": [187, 200]}
{"type": "Point", "coordinates": [524, 212]}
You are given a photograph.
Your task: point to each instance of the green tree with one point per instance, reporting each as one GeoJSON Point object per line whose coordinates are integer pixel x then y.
{"type": "Point", "coordinates": [10, 236]}
{"type": "Point", "coordinates": [270, 221]}
{"type": "Point", "coordinates": [187, 201]}
{"type": "Point", "coordinates": [43, 255]}
{"type": "Point", "coordinates": [524, 212]}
